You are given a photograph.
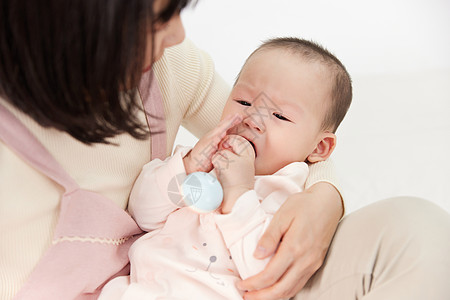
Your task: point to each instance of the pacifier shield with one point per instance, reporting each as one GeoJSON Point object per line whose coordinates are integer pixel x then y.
{"type": "Point", "coordinates": [202, 192]}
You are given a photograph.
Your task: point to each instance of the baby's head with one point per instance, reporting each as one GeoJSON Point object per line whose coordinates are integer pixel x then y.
{"type": "Point", "coordinates": [292, 95]}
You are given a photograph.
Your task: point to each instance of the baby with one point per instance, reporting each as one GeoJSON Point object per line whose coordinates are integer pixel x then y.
{"type": "Point", "coordinates": [281, 116]}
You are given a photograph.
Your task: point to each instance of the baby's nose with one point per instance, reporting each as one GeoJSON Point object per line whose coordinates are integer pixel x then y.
{"type": "Point", "coordinates": [254, 123]}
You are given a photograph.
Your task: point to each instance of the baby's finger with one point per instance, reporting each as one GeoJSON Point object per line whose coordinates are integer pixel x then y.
{"type": "Point", "coordinates": [218, 160]}
{"type": "Point", "coordinates": [225, 155]}
{"type": "Point", "coordinates": [223, 158]}
{"type": "Point", "coordinates": [227, 123]}
{"type": "Point", "coordinates": [240, 145]}
{"type": "Point", "coordinates": [221, 161]}
{"type": "Point", "coordinates": [210, 142]}
{"type": "Point", "coordinates": [223, 145]}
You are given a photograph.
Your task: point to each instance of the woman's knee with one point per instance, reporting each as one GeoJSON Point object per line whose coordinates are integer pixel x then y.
{"type": "Point", "coordinates": [411, 215]}
{"type": "Point", "coordinates": [392, 249]}
{"type": "Point", "coordinates": [409, 231]}
{"type": "Point", "coordinates": [402, 243]}
{"type": "Point", "coordinates": [403, 213]}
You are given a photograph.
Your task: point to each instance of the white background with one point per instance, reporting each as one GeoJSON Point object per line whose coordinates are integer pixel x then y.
{"type": "Point", "coordinates": [395, 139]}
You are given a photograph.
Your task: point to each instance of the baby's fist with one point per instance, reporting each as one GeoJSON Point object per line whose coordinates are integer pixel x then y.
{"type": "Point", "coordinates": [239, 145]}
{"type": "Point", "coordinates": [235, 168]}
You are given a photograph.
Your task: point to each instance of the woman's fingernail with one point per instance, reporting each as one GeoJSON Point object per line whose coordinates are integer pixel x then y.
{"type": "Point", "coordinates": [260, 252]}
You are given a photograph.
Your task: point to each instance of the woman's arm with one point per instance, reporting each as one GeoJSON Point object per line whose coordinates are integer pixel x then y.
{"type": "Point", "coordinates": [306, 224]}
{"type": "Point", "coordinates": [324, 171]}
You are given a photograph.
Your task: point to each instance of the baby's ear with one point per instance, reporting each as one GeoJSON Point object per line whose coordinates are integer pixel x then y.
{"type": "Point", "coordinates": [324, 147]}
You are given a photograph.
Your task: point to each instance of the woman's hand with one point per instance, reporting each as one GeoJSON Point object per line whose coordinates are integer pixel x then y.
{"type": "Point", "coordinates": [305, 224]}
{"type": "Point", "coordinates": [199, 159]}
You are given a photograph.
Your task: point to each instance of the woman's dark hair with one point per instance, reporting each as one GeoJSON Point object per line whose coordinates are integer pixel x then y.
{"type": "Point", "coordinates": [67, 63]}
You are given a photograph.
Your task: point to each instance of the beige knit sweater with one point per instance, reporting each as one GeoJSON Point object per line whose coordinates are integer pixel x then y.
{"type": "Point", "coordinates": [194, 96]}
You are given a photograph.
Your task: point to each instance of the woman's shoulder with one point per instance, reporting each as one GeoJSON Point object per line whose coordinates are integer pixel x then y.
{"type": "Point", "coordinates": [193, 92]}
{"type": "Point", "coordinates": [185, 52]}
{"type": "Point", "coordinates": [185, 64]}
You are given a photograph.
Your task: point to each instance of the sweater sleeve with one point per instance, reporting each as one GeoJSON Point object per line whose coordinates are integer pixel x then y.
{"type": "Point", "coordinates": [155, 193]}
{"type": "Point", "coordinates": [241, 230]}
{"type": "Point", "coordinates": [324, 172]}
{"type": "Point", "coordinates": [188, 78]}
{"type": "Point", "coordinates": [206, 108]}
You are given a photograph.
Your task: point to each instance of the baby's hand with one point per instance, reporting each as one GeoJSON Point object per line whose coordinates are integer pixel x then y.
{"type": "Point", "coordinates": [199, 159]}
{"type": "Point", "coordinates": [235, 167]}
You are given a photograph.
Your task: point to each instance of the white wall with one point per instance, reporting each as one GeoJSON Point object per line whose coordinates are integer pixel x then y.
{"type": "Point", "coordinates": [395, 139]}
{"type": "Point", "coordinates": [369, 36]}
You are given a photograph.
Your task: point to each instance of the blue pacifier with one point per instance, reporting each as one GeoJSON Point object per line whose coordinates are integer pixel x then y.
{"type": "Point", "coordinates": [202, 192]}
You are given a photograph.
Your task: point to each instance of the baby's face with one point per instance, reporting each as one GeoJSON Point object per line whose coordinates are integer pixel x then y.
{"type": "Point", "coordinates": [282, 100]}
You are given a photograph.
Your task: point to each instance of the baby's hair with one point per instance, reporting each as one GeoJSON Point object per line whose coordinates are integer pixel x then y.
{"type": "Point", "coordinates": [341, 91]}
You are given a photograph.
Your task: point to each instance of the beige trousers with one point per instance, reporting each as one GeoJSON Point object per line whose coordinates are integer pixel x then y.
{"type": "Point", "coordinates": [395, 249]}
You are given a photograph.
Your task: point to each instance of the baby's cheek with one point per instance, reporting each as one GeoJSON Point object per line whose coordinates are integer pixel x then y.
{"type": "Point", "coordinates": [228, 109]}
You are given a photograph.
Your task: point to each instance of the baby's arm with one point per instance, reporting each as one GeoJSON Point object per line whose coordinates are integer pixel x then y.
{"type": "Point", "coordinates": [243, 220]}
{"type": "Point", "coordinates": [154, 194]}
{"type": "Point", "coordinates": [252, 213]}
{"type": "Point", "coordinates": [241, 230]}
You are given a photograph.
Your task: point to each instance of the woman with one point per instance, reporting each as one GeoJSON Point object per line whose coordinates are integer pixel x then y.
{"type": "Point", "coordinates": [64, 68]}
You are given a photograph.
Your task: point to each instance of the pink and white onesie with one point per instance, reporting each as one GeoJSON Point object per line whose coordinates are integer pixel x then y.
{"type": "Point", "coordinates": [186, 254]}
